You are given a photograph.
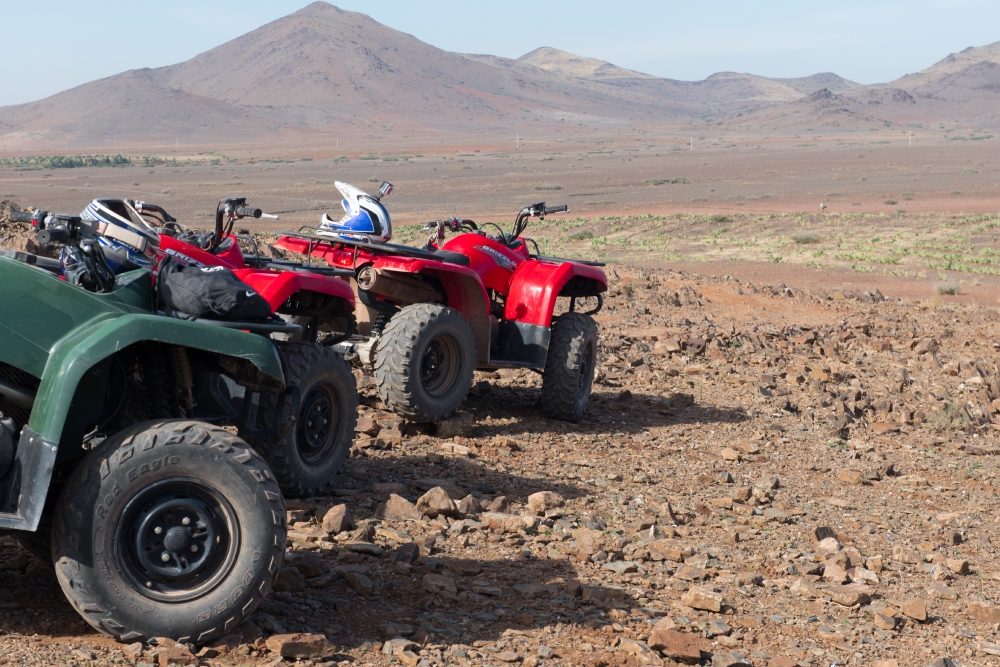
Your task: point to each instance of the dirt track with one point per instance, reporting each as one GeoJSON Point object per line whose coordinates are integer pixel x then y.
{"type": "Point", "coordinates": [870, 418]}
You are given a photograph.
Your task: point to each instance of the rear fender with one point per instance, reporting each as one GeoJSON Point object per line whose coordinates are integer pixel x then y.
{"type": "Point", "coordinates": [279, 286]}
{"type": "Point", "coordinates": [536, 285]}
{"type": "Point", "coordinates": [463, 290]}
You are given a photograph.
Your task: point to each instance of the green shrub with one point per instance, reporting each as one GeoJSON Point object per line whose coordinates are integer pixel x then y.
{"type": "Point", "coordinates": [806, 237]}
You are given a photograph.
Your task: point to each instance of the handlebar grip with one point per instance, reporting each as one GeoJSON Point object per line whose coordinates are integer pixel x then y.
{"type": "Point", "coordinates": [20, 216]}
{"type": "Point", "coordinates": [59, 235]}
{"type": "Point", "coordinates": [248, 212]}
{"type": "Point", "coordinates": [557, 209]}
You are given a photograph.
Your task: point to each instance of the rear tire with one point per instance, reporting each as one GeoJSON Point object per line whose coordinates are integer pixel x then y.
{"type": "Point", "coordinates": [424, 361]}
{"type": "Point", "coordinates": [569, 367]}
{"type": "Point", "coordinates": [306, 460]}
{"type": "Point", "coordinates": [172, 529]}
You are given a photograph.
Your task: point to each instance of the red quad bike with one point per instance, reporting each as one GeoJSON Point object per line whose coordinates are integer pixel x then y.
{"type": "Point", "coordinates": [428, 317]}
{"type": "Point", "coordinates": [306, 459]}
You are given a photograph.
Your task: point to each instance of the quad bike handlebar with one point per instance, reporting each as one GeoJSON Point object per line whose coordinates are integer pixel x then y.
{"type": "Point", "coordinates": [20, 216]}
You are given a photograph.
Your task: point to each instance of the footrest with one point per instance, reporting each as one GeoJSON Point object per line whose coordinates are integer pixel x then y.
{"type": "Point", "coordinates": [255, 327]}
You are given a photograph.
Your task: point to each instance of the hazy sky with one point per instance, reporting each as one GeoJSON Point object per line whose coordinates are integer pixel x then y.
{"type": "Point", "coordinates": [52, 45]}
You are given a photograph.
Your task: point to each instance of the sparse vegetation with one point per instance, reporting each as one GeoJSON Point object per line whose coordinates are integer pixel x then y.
{"type": "Point", "coordinates": [668, 181]}
{"type": "Point", "coordinates": [548, 186]}
{"type": "Point", "coordinates": [891, 202]}
{"type": "Point", "coordinates": [806, 237]}
{"type": "Point", "coordinates": [950, 289]}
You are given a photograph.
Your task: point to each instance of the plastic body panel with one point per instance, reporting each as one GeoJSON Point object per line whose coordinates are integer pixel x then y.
{"type": "Point", "coordinates": [535, 286]}
{"type": "Point", "coordinates": [278, 286]}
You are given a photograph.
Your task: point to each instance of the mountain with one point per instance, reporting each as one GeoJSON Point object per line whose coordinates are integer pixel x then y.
{"type": "Point", "coordinates": [807, 85]}
{"type": "Point", "coordinates": [323, 68]}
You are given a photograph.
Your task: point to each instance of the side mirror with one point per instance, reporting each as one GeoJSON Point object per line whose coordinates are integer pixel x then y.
{"type": "Point", "coordinates": [385, 189]}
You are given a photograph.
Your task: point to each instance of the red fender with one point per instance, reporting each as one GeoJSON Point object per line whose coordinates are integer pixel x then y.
{"type": "Point", "coordinates": [536, 285]}
{"type": "Point", "coordinates": [278, 286]}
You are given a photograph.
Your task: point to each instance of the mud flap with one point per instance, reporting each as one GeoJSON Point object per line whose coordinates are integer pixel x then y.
{"type": "Point", "coordinates": [521, 344]}
{"type": "Point", "coordinates": [24, 488]}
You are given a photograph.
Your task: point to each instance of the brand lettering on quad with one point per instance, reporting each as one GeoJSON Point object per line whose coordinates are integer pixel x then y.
{"type": "Point", "coordinates": [498, 257]}
{"type": "Point", "coordinates": [220, 608]}
{"type": "Point", "coordinates": [248, 577]}
{"type": "Point", "coordinates": [204, 616]}
{"type": "Point", "coordinates": [236, 595]}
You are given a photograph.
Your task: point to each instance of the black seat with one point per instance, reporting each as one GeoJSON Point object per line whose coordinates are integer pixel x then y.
{"type": "Point", "coordinates": [449, 257]}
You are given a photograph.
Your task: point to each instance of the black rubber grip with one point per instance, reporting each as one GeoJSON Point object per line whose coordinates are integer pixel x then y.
{"type": "Point", "coordinates": [20, 216]}
{"type": "Point", "coordinates": [556, 209]}
{"type": "Point", "coordinates": [53, 235]}
{"type": "Point", "coordinates": [248, 212]}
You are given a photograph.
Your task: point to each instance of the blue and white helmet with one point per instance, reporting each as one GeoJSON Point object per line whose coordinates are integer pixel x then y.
{"type": "Point", "coordinates": [127, 240]}
{"type": "Point", "coordinates": [364, 217]}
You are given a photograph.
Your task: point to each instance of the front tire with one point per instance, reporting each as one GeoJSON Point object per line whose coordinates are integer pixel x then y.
{"type": "Point", "coordinates": [569, 367]}
{"type": "Point", "coordinates": [424, 361]}
{"type": "Point", "coordinates": [169, 529]}
{"type": "Point", "coordinates": [306, 460]}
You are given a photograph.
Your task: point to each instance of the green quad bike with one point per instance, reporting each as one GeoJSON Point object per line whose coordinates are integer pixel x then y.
{"type": "Point", "coordinates": [159, 525]}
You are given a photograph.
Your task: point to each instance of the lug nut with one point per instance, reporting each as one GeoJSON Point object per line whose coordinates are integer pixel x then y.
{"type": "Point", "coordinates": [165, 557]}
{"type": "Point", "coordinates": [157, 530]}
{"type": "Point", "coordinates": [186, 521]}
{"type": "Point", "coordinates": [194, 548]}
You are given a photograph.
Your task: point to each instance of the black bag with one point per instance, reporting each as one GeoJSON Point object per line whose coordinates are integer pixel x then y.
{"type": "Point", "coordinates": [213, 292]}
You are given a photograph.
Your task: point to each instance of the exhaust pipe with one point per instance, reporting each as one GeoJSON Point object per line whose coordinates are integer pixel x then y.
{"type": "Point", "coordinates": [398, 287]}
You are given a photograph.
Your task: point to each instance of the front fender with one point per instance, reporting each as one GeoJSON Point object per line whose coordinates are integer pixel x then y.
{"type": "Point", "coordinates": [536, 284]}
{"type": "Point", "coordinates": [74, 355]}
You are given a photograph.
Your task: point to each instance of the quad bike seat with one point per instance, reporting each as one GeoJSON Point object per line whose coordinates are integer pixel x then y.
{"type": "Point", "coordinates": [449, 257]}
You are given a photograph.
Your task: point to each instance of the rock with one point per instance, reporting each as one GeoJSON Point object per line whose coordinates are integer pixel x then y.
{"type": "Point", "coordinates": [83, 654]}
{"type": "Point", "coordinates": [958, 565]}
{"type": "Point", "coordinates": [460, 425]}
{"type": "Point", "coordinates": [466, 567]}
{"type": "Point", "coordinates": [395, 630]}
{"type": "Point", "coordinates": [541, 502]}
{"type": "Point", "coordinates": [396, 646]}
{"type": "Point", "coordinates": [588, 541]}
{"type": "Point", "coordinates": [730, 454]}
{"type": "Point", "coordinates": [500, 505]}
{"type": "Point", "coordinates": [848, 595]}
{"type": "Point", "coordinates": [668, 550]}
{"type": "Point", "coordinates": [360, 583]}
{"type": "Point", "coordinates": [884, 620]}
{"type": "Point", "coordinates": [531, 590]}
{"type": "Point", "coordinates": [940, 572]}
{"type": "Point", "coordinates": [850, 477]}
{"type": "Point", "coordinates": [368, 426]}
{"type": "Point", "coordinates": [398, 508]}
{"type": "Point", "coordinates": [984, 613]}
{"type": "Point", "coordinates": [504, 523]}
{"type": "Point", "coordinates": [906, 555]}
{"type": "Point", "coordinates": [176, 655]}
{"type": "Point", "coordinates": [941, 591]}
{"type": "Point", "coordinates": [469, 506]}
{"type": "Point", "coordinates": [545, 652]}
{"type": "Point", "coordinates": [406, 553]}
{"type": "Point", "coordinates": [944, 662]}
{"type": "Point", "coordinates": [640, 650]}
{"type": "Point", "coordinates": [133, 651]}
{"type": "Point", "coordinates": [915, 609]}
{"type": "Point", "coordinates": [409, 658]}
{"type": "Point", "coordinates": [302, 646]}
{"type": "Point", "coordinates": [310, 564]}
{"type": "Point", "coordinates": [828, 545]}
{"type": "Point", "coordinates": [717, 628]}
{"type": "Point", "coordinates": [338, 519]}
{"type": "Point", "coordinates": [438, 583]}
{"type": "Point", "coordinates": [437, 502]}
{"type": "Point", "coordinates": [785, 662]}
{"type": "Point", "coordinates": [835, 574]}
{"type": "Point", "coordinates": [821, 533]}
{"type": "Point", "coordinates": [677, 646]}
{"type": "Point", "coordinates": [702, 598]}
{"type": "Point", "coordinates": [988, 648]}
{"type": "Point", "coordinates": [776, 515]}
{"type": "Point", "coordinates": [805, 588]}
{"type": "Point", "coordinates": [732, 659]}
{"type": "Point", "coordinates": [507, 656]}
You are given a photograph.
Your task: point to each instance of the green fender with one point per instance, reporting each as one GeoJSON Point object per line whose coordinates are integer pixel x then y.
{"type": "Point", "coordinates": [82, 349]}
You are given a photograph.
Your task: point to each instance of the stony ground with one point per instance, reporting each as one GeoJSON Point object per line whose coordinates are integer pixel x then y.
{"type": "Point", "coordinates": [799, 478]}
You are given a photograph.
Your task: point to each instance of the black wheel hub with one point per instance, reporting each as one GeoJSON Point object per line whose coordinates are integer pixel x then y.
{"type": "Point", "coordinates": [439, 366]}
{"type": "Point", "coordinates": [177, 539]}
{"type": "Point", "coordinates": [318, 424]}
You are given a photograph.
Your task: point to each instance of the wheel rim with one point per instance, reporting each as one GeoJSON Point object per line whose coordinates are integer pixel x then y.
{"type": "Point", "coordinates": [439, 366]}
{"type": "Point", "coordinates": [177, 540]}
{"type": "Point", "coordinates": [318, 424]}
